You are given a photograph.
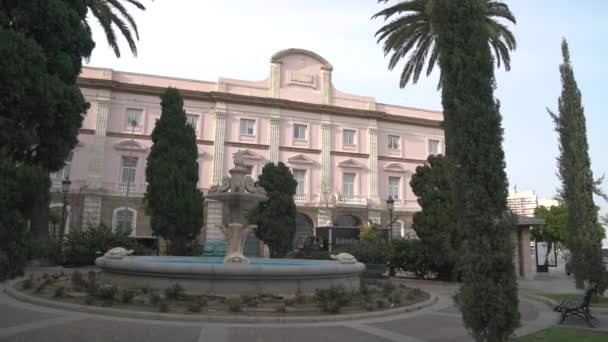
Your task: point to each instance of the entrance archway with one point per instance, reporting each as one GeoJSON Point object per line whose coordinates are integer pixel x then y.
{"type": "Point", "coordinates": [304, 228]}
{"type": "Point", "coordinates": [348, 221]}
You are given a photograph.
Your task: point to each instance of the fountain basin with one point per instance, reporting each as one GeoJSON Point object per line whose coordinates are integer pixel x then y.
{"type": "Point", "coordinates": [283, 277]}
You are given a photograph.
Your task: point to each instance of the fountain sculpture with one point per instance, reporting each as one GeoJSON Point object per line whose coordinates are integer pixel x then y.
{"type": "Point", "coordinates": [237, 191]}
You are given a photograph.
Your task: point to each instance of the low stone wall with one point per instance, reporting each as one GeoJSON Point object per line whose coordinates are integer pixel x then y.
{"type": "Point", "coordinates": [231, 279]}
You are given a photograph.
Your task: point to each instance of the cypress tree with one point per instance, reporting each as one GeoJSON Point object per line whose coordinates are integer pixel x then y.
{"type": "Point", "coordinates": [436, 224]}
{"type": "Point", "coordinates": [574, 169]}
{"type": "Point", "coordinates": [472, 121]}
{"type": "Point", "coordinates": [276, 217]}
{"type": "Point", "coordinates": [172, 198]}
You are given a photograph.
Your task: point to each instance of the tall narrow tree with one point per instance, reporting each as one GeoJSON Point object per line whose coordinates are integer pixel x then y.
{"type": "Point", "coordinates": [172, 198]}
{"type": "Point", "coordinates": [574, 169]}
{"type": "Point", "coordinates": [460, 36]}
{"type": "Point", "coordinates": [488, 297]}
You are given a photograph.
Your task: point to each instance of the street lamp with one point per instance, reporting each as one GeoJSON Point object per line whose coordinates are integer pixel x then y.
{"type": "Point", "coordinates": [65, 188]}
{"type": "Point", "coordinates": [390, 205]}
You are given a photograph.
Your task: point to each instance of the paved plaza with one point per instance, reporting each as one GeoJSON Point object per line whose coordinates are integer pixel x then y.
{"type": "Point", "coordinates": [441, 321]}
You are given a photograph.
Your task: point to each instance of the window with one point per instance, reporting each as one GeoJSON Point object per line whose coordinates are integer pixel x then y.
{"type": "Point", "coordinates": [128, 170]}
{"type": "Point", "coordinates": [300, 176]}
{"type": "Point", "coordinates": [65, 172]}
{"type": "Point", "coordinates": [299, 132]}
{"type": "Point", "coordinates": [433, 147]}
{"type": "Point", "coordinates": [349, 137]}
{"type": "Point", "coordinates": [192, 120]}
{"type": "Point", "coordinates": [393, 187]}
{"type": "Point", "coordinates": [124, 220]}
{"type": "Point", "coordinates": [249, 169]}
{"type": "Point", "coordinates": [133, 115]}
{"type": "Point", "coordinates": [247, 127]}
{"type": "Point", "coordinates": [393, 142]}
{"type": "Point", "coordinates": [348, 184]}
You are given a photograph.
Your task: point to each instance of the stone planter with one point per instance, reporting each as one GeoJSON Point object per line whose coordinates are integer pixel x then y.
{"type": "Point", "coordinates": [374, 270]}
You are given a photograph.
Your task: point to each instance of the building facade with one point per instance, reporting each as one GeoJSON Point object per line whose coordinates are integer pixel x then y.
{"type": "Point", "coordinates": [524, 203]}
{"type": "Point", "coordinates": [348, 152]}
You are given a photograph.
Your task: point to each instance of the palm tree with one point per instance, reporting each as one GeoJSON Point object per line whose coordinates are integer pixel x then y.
{"type": "Point", "coordinates": [412, 33]}
{"type": "Point", "coordinates": [113, 12]}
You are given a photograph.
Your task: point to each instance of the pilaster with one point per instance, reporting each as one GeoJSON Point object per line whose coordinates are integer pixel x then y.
{"type": "Point", "coordinates": [218, 143]}
{"type": "Point", "coordinates": [275, 136]}
{"type": "Point", "coordinates": [96, 161]}
{"type": "Point", "coordinates": [372, 135]}
{"type": "Point", "coordinates": [325, 156]}
{"type": "Point", "coordinates": [91, 212]}
{"type": "Point", "coordinates": [275, 79]}
{"type": "Point", "coordinates": [214, 220]}
{"type": "Point", "coordinates": [326, 90]}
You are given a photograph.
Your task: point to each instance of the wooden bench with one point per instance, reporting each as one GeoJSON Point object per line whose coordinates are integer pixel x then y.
{"type": "Point", "coordinates": [579, 308]}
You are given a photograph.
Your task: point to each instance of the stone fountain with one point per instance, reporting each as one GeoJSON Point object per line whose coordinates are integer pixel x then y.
{"type": "Point", "coordinates": [237, 192]}
{"type": "Point", "coordinates": [234, 274]}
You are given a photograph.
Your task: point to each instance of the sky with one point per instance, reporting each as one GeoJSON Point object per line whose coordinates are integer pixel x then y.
{"type": "Point", "coordinates": [208, 39]}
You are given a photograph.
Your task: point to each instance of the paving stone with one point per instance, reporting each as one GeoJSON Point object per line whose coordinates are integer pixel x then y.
{"type": "Point", "coordinates": [316, 334]}
{"type": "Point", "coordinates": [12, 316]}
{"type": "Point", "coordinates": [431, 328]}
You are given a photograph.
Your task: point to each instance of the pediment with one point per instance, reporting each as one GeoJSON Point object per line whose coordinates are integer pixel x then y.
{"type": "Point", "coordinates": [300, 159]}
{"type": "Point", "coordinates": [130, 145]}
{"type": "Point", "coordinates": [394, 167]}
{"type": "Point", "coordinates": [350, 163]}
{"type": "Point", "coordinates": [247, 154]}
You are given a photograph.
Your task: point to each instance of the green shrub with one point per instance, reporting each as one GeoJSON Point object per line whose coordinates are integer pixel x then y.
{"type": "Point", "coordinates": [163, 306]}
{"type": "Point", "coordinates": [195, 307]}
{"type": "Point", "coordinates": [89, 300]}
{"type": "Point", "coordinates": [28, 283]}
{"type": "Point", "coordinates": [77, 280]}
{"type": "Point", "coordinates": [368, 252]}
{"type": "Point", "coordinates": [333, 299]}
{"type": "Point", "coordinates": [83, 246]}
{"type": "Point", "coordinates": [300, 298]}
{"type": "Point", "coordinates": [202, 301]}
{"type": "Point", "coordinates": [281, 308]}
{"type": "Point", "coordinates": [410, 255]}
{"type": "Point", "coordinates": [106, 292]}
{"type": "Point", "coordinates": [127, 295]}
{"type": "Point", "coordinates": [364, 289]}
{"type": "Point", "coordinates": [154, 298]}
{"type": "Point", "coordinates": [369, 307]}
{"type": "Point", "coordinates": [396, 297]}
{"type": "Point", "coordinates": [234, 304]}
{"type": "Point", "coordinates": [45, 282]}
{"type": "Point", "coordinates": [381, 304]}
{"type": "Point", "coordinates": [174, 291]}
{"type": "Point", "coordinates": [59, 292]}
{"type": "Point", "coordinates": [388, 287]}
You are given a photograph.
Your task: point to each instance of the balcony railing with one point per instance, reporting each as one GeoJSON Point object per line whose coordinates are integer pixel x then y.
{"type": "Point", "coordinates": [134, 188]}
{"type": "Point", "coordinates": [302, 198]}
{"type": "Point", "coordinates": [351, 200]}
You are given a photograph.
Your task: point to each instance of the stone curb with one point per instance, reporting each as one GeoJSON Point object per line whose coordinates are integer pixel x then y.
{"type": "Point", "coordinates": [18, 295]}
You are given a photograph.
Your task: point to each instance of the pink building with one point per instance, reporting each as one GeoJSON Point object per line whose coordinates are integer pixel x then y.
{"type": "Point", "coordinates": [348, 152]}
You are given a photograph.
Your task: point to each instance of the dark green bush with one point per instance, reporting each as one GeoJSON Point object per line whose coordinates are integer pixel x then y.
{"type": "Point", "coordinates": [388, 287]}
{"type": "Point", "coordinates": [83, 246]}
{"type": "Point", "coordinates": [77, 280]}
{"type": "Point", "coordinates": [174, 291]}
{"type": "Point", "coordinates": [368, 252]}
{"type": "Point", "coordinates": [106, 292]}
{"type": "Point", "coordinates": [234, 304]}
{"type": "Point", "coordinates": [59, 292]}
{"type": "Point", "coordinates": [333, 299]}
{"type": "Point", "coordinates": [154, 298]}
{"type": "Point", "coordinates": [28, 283]}
{"type": "Point", "coordinates": [163, 306]}
{"type": "Point", "coordinates": [410, 255]}
{"type": "Point", "coordinates": [195, 307]}
{"type": "Point", "coordinates": [127, 295]}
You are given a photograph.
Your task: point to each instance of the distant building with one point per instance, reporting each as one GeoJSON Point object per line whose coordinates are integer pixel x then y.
{"type": "Point", "coordinates": [525, 202]}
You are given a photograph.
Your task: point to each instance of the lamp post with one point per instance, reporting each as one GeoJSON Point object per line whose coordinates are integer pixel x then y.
{"type": "Point", "coordinates": [65, 188]}
{"type": "Point", "coordinates": [390, 205]}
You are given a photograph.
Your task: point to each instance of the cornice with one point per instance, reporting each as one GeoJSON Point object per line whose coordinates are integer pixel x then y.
{"type": "Point", "coordinates": [215, 96]}
{"type": "Point", "coordinates": [86, 131]}
{"type": "Point", "coordinates": [404, 160]}
{"type": "Point", "coordinates": [349, 154]}
{"type": "Point", "coordinates": [246, 145]}
{"type": "Point", "coordinates": [299, 149]}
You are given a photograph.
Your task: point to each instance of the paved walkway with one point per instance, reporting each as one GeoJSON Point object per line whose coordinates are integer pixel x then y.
{"type": "Point", "coordinates": [22, 322]}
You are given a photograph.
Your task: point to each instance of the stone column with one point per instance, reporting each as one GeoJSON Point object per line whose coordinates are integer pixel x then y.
{"type": "Point", "coordinates": [372, 136]}
{"type": "Point", "coordinates": [214, 208]}
{"type": "Point", "coordinates": [92, 204]}
{"type": "Point", "coordinates": [274, 138]}
{"type": "Point", "coordinates": [275, 80]}
{"type": "Point", "coordinates": [218, 143]}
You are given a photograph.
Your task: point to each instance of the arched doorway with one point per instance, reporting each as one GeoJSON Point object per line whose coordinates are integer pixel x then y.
{"type": "Point", "coordinates": [348, 221]}
{"type": "Point", "coordinates": [304, 228]}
